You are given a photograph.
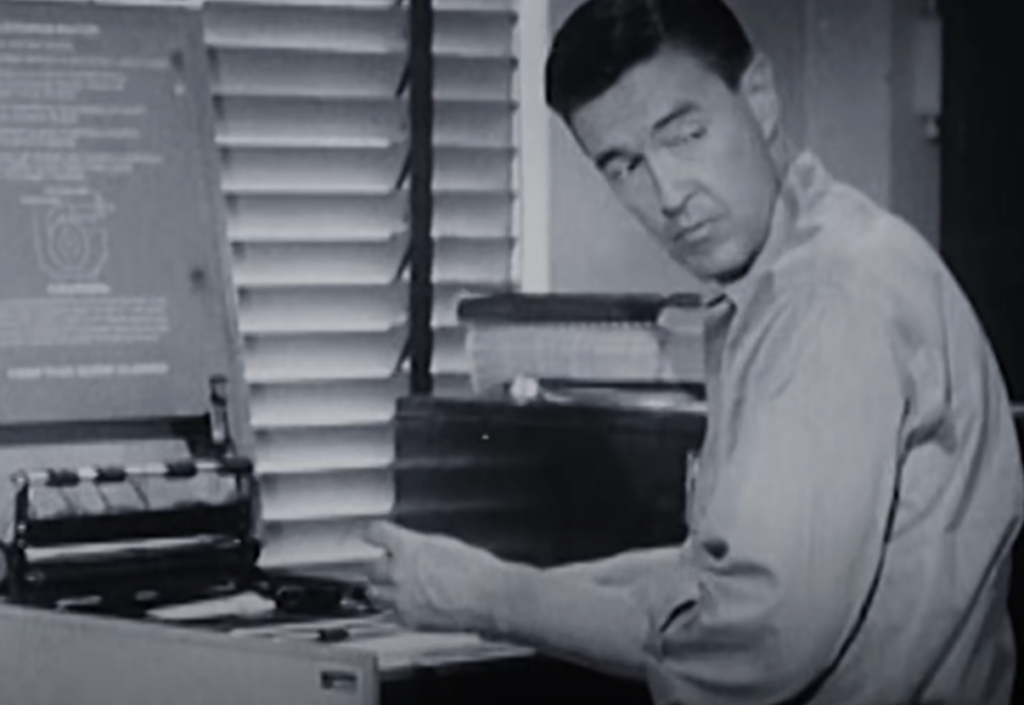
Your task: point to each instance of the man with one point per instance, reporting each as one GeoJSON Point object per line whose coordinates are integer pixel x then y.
{"type": "Point", "coordinates": [859, 487]}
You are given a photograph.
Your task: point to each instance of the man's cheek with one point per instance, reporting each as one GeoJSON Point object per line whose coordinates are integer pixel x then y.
{"type": "Point", "coordinates": [642, 207]}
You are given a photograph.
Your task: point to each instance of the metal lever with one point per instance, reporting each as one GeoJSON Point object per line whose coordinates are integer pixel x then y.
{"type": "Point", "coordinates": [220, 432]}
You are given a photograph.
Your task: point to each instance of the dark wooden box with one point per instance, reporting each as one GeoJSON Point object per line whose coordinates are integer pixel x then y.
{"type": "Point", "coordinates": [543, 483]}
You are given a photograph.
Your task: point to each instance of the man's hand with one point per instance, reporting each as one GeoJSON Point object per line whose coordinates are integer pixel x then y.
{"type": "Point", "coordinates": [437, 582]}
{"type": "Point", "coordinates": [433, 582]}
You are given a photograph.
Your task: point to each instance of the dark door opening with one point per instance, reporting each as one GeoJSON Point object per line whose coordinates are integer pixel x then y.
{"type": "Point", "coordinates": [982, 159]}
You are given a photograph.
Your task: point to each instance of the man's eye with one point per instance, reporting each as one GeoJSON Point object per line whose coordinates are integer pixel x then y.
{"type": "Point", "coordinates": [621, 168]}
{"type": "Point", "coordinates": [684, 134]}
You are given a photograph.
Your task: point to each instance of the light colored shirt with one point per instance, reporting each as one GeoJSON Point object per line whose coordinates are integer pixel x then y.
{"type": "Point", "coordinates": [860, 484]}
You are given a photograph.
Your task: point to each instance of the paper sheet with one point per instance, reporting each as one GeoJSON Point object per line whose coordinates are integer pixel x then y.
{"type": "Point", "coordinates": [237, 605]}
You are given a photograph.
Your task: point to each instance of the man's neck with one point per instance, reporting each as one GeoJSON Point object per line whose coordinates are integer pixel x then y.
{"type": "Point", "coordinates": [782, 152]}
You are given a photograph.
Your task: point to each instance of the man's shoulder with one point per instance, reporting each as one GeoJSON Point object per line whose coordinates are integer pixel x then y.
{"type": "Point", "coordinates": [866, 266]}
{"type": "Point", "coordinates": [861, 248]}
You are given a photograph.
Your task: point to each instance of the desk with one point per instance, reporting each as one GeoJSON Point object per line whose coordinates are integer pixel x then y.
{"type": "Point", "coordinates": [48, 658]}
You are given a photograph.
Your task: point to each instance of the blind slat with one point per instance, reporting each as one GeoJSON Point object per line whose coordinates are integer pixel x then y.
{"type": "Point", "coordinates": [268, 26]}
{"type": "Point", "coordinates": [351, 493]}
{"type": "Point", "coordinates": [466, 33]}
{"type": "Point", "coordinates": [338, 356]}
{"type": "Point", "coordinates": [506, 6]}
{"type": "Point", "coordinates": [252, 233]}
{"type": "Point", "coordinates": [289, 451]}
{"type": "Point", "coordinates": [455, 214]}
{"type": "Point", "coordinates": [376, 213]}
{"type": "Point", "coordinates": [278, 263]}
{"type": "Point", "coordinates": [349, 403]}
{"type": "Point", "coordinates": [473, 214]}
{"type": "Point", "coordinates": [469, 261]}
{"type": "Point", "coordinates": [327, 542]}
{"type": "Point", "coordinates": [460, 260]}
{"type": "Point", "coordinates": [367, 170]}
{"type": "Point", "coordinates": [248, 72]}
{"type": "Point", "coordinates": [346, 356]}
{"type": "Point", "coordinates": [275, 314]}
{"type": "Point", "coordinates": [290, 73]}
{"type": "Point", "coordinates": [473, 78]}
{"type": "Point", "coordinates": [263, 121]}
{"type": "Point", "coordinates": [285, 171]}
{"type": "Point", "coordinates": [469, 169]}
{"type": "Point", "coordinates": [354, 403]}
{"type": "Point", "coordinates": [354, 28]}
{"type": "Point", "coordinates": [343, 309]}
{"type": "Point", "coordinates": [472, 124]}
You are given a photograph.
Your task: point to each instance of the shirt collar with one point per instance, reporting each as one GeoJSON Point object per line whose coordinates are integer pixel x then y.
{"type": "Point", "coordinates": [804, 178]}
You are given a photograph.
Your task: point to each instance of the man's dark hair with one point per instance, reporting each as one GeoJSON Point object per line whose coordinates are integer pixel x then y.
{"type": "Point", "coordinates": [603, 39]}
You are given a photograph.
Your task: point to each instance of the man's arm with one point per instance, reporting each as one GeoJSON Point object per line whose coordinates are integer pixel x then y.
{"type": "Point", "coordinates": [598, 626]}
{"type": "Point", "coordinates": [622, 569]}
{"type": "Point", "coordinates": [791, 541]}
{"type": "Point", "coordinates": [773, 580]}
{"type": "Point", "coordinates": [759, 602]}
{"type": "Point", "coordinates": [437, 582]}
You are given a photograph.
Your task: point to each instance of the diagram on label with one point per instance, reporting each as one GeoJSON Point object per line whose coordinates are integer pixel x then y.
{"type": "Point", "coordinates": [71, 239]}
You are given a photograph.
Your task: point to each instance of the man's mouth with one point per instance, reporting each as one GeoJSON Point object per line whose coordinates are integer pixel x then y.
{"type": "Point", "coordinates": [693, 233]}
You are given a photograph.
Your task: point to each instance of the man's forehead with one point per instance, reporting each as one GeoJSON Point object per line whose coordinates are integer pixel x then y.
{"type": "Point", "coordinates": [642, 98]}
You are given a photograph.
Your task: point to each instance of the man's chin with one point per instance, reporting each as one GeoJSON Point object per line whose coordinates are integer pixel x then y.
{"type": "Point", "coordinates": [712, 271]}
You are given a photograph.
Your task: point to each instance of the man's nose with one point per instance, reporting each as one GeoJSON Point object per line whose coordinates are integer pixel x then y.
{"type": "Point", "coordinates": [673, 183]}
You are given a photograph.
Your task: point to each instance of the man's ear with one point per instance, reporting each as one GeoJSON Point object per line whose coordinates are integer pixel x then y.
{"type": "Point", "coordinates": [758, 88]}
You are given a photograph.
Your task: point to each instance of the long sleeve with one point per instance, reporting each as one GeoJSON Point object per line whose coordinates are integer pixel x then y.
{"type": "Point", "coordinates": [621, 569]}
{"type": "Point", "coordinates": [438, 582]}
{"type": "Point", "coordinates": [777, 574]}
{"type": "Point", "coordinates": [574, 618]}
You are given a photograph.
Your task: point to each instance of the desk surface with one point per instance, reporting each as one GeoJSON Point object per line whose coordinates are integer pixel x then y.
{"type": "Point", "coordinates": [93, 660]}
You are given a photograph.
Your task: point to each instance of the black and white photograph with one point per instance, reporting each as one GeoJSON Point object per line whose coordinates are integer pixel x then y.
{"type": "Point", "coordinates": [511, 352]}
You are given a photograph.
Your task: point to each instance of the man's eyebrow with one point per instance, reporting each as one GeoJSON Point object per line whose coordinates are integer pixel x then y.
{"type": "Point", "coordinates": [680, 111]}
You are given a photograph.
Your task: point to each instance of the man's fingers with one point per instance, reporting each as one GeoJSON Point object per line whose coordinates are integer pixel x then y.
{"type": "Point", "coordinates": [382, 597]}
{"type": "Point", "coordinates": [380, 571]}
{"type": "Point", "coordinates": [385, 534]}
{"type": "Point", "coordinates": [391, 538]}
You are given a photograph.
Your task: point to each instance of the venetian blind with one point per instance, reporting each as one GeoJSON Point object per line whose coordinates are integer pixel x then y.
{"type": "Point", "coordinates": [312, 127]}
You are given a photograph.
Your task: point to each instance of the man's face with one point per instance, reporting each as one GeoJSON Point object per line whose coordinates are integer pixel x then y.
{"type": "Point", "coordinates": [689, 157]}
